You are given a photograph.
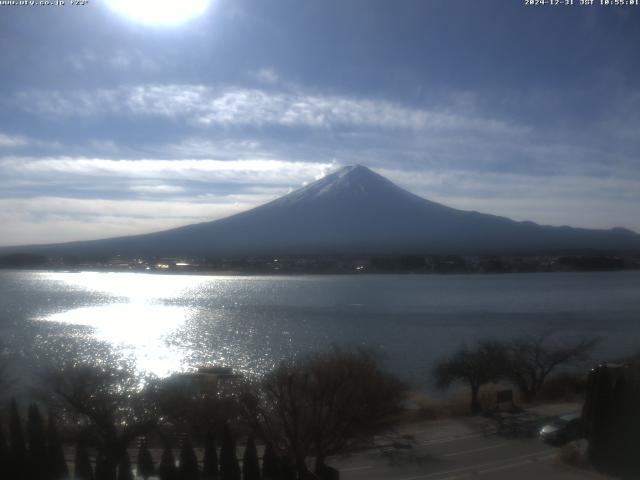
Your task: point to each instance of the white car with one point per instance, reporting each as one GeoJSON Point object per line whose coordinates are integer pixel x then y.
{"type": "Point", "coordinates": [563, 429]}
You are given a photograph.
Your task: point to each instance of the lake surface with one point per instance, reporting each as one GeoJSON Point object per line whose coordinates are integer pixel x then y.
{"type": "Point", "coordinates": [165, 323]}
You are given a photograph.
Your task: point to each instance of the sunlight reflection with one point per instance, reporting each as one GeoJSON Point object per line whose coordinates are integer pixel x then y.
{"type": "Point", "coordinates": [138, 330]}
{"type": "Point", "coordinates": [139, 322]}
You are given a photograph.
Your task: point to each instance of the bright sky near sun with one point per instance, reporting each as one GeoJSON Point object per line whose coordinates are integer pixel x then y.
{"type": "Point", "coordinates": [122, 117]}
{"type": "Point", "coordinates": [159, 12]}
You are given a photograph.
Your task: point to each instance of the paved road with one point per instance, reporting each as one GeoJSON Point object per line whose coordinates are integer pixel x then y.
{"type": "Point", "coordinates": [466, 453]}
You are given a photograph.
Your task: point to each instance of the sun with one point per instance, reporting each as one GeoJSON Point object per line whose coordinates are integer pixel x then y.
{"type": "Point", "coordinates": [159, 12]}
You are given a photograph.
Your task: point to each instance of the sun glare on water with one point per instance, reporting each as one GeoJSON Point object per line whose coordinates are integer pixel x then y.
{"type": "Point", "coordinates": [159, 12]}
{"type": "Point", "coordinates": [137, 330]}
{"type": "Point", "coordinates": [137, 315]}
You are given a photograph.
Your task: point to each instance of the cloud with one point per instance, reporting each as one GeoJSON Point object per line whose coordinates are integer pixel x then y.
{"type": "Point", "coordinates": [80, 60]}
{"type": "Point", "coordinates": [157, 189]}
{"type": "Point", "coordinates": [25, 230]}
{"type": "Point", "coordinates": [78, 207]}
{"type": "Point", "coordinates": [12, 141]}
{"type": "Point", "coordinates": [224, 149]}
{"type": "Point", "coordinates": [456, 155]}
{"type": "Point", "coordinates": [264, 171]}
{"type": "Point", "coordinates": [59, 219]}
{"type": "Point", "coordinates": [207, 106]}
{"type": "Point", "coordinates": [23, 142]}
{"type": "Point", "coordinates": [86, 59]}
{"type": "Point", "coordinates": [266, 75]}
{"type": "Point", "coordinates": [575, 200]}
{"type": "Point", "coordinates": [76, 198]}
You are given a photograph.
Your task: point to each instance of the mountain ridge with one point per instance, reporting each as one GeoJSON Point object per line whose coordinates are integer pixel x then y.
{"type": "Point", "coordinates": [352, 210]}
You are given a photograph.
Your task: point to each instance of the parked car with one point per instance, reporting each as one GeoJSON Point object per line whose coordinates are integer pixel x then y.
{"type": "Point", "coordinates": [563, 429]}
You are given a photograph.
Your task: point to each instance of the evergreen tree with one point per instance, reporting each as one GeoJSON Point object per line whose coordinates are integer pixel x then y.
{"type": "Point", "coordinates": [287, 471]}
{"type": "Point", "coordinates": [270, 464]}
{"type": "Point", "coordinates": [250, 462]}
{"type": "Point", "coordinates": [210, 467]}
{"type": "Point", "coordinates": [17, 447]}
{"type": "Point", "coordinates": [188, 469]}
{"type": "Point", "coordinates": [37, 454]}
{"type": "Point", "coordinates": [146, 467]}
{"type": "Point", "coordinates": [4, 452]}
{"type": "Point", "coordinates": [167, 469]}
{"type": "Point", "coordinates": [124, 467]}
{"type": "Point", "coordinates": [229, 468]}
{"type": "Point", "coordinates": [83, 470]}
{"type": "Point", "coordinates": [57, 465]}
{"type": "Point", "coordinates": [103, 469]}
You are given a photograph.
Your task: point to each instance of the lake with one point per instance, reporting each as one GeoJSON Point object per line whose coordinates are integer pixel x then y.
{"type": "Point", "coordinates": [165, 323]}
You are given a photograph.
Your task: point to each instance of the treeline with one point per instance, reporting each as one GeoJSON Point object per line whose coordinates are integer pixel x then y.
{"type": "Point", "coordinates": [525, 362]}
{"type": "Point", "coordinates": [39, 455]}
{"type": "Point", "coordinates": [300, 414]}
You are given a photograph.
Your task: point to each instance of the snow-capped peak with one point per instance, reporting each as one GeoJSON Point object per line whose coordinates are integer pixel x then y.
{"type": "Point", "coordinates": [350, 181]}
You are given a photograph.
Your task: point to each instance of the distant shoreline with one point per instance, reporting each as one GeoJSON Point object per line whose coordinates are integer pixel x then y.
{"type": "Point", "coordinates": [334, 264]}
{"type": "Point", "coordinates": [236, 273]}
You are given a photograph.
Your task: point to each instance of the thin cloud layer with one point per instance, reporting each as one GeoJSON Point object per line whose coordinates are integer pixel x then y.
{"type": "Point", "coordinates": [207, 106]}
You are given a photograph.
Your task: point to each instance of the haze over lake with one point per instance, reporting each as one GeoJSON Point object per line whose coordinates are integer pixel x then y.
{"type": "Point", "coordinates": [166, 323]}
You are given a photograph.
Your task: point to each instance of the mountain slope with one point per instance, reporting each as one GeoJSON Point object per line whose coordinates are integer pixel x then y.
{"type": "Point", "coordinates": [353, 210]}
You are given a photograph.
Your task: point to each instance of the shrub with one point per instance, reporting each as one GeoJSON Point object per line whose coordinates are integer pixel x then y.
{"type": "Point", "coordinates": [124, 468]}
{"type": "Point", "coordinates": [146, 467]}
{"type": "Point", "coordinates": [210, 461]}
{"type": "Point", "coordinates": [250, 463]}
{"type": "Point", "coordinates": [83, 470]}
{"type": "Point", "coordinates": [188, 469]}
{"type": "Point", "coordinates": [167, 469]}
{"type": "Point", "coordinates": [229, 468]}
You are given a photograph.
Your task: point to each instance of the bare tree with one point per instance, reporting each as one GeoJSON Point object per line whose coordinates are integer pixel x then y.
{"type": "Point", "coordinates": [6, 378]}
{"type": "Point", "coordinates": [183, 405]}
{"type": "Point", "coordinates": [532, 358]}
{"type": "Point", "coordinates": [105, 401]}
{"type": "Point", "coordinates": [323, 405]}
{"type": "Point", "coordinates": [476, 366]}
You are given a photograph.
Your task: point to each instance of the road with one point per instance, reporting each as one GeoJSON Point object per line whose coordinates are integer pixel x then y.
{"type": "Point", "coordinates": [460, 453]}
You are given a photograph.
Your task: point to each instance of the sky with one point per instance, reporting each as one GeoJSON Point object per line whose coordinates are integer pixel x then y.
{"type": "Point", "coordinates": [120, 117]}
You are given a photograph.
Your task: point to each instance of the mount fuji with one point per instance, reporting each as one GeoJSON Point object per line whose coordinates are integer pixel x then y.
{"type": "Point", "coordinates": [351, 211]}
